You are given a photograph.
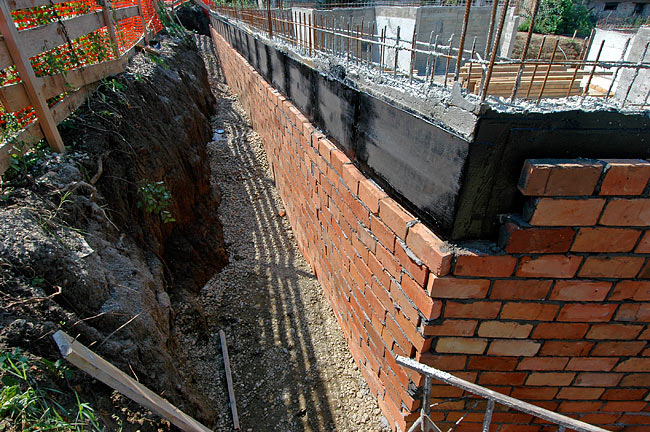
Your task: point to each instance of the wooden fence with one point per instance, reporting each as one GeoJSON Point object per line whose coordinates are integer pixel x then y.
{"type": "Point", "coordinates": [87, 40]}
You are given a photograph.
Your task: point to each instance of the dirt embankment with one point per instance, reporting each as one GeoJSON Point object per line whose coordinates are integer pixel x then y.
{"type": "Point", "coordinates": [568, 48]}
{"type": "Point", "coordinates": [95, 226]}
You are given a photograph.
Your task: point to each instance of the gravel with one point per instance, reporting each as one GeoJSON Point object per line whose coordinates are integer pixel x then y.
{"type": "Point", "coordinates": [291, 366]}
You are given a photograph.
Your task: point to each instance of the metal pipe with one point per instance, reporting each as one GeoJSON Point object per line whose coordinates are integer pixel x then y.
{"type": "Point", "coordinates": [488, 416]}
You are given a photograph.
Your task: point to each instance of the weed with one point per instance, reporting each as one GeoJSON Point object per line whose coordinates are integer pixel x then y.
{"type": "Point", "coordinates": [155, 199]}
{"type": "Point", "coordinates": [158, 60]}
{"type": "Point", "coordinates": [23, 161]}
{"type": "Point", "coordinates": [32, 407]}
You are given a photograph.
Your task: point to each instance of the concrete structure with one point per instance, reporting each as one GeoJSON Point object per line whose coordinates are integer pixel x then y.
{"type": "Point", "coordinates": [443, 21]}
{"type": "Point", "coordinates": [550, 306]}
{"type": "Point", "coordinates": [604, 9]}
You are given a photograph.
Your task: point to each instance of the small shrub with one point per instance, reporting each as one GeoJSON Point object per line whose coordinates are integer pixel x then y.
{"type": "Point", "coordinates": [561, 17]}
{"type": "Point", "coordinates": [155, 199]}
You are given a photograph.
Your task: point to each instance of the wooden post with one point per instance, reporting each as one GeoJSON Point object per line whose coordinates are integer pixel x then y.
{"type": "Point", "coordinates": [45, 118]}
{"type": "Point", "coordinates": [110, 25]}
{"type": "Point", "coordinates": [89, 362]}
{"type": "Point", "coordinates": [144, 23]}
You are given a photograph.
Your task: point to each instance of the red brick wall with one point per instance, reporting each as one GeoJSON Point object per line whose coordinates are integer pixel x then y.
{"type": "Point", "coordinates": [558, 315]}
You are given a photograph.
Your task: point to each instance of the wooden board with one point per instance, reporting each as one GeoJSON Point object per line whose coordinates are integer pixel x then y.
{"type": "Point", "coordinates": [26, 4]}
{"type": "Point", "coordinates": [36, 40]}
{"type": "Point", "coordinates": [14, 97]}
{"type": "Point", "coordinates": [97, 367]}
{"type": "Point", "coordinates": [5, 57]}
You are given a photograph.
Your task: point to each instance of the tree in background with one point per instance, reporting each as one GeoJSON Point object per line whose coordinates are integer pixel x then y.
{"type": "Point", "coordinates": [561, 17]}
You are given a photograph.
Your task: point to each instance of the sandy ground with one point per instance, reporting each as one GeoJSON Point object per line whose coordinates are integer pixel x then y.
{"type": "Point", "coordinates": [291, 366]}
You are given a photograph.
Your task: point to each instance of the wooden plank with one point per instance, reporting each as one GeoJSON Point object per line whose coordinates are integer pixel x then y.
{"type": "Point", "coordinates": [5, 57]}
{"type": "Point", "coordinates": [8, 29]}
{"type": "Point", "coordinates": [97, 367]}
{"type": "Point", "coordinates": [124, 13]}
{"type": "Point", "coordinates": [28, 138]}
{"type": "Point", "coordinates": [26, 4]}
{"type": "Point", "coordinates": [14, 97]}
{"type": "Point", "coordinates": [36, 40]}
{"type": "Point", "coordinates": [231, 391]}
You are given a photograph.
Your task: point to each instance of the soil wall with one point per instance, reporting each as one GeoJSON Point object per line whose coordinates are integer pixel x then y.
{"type": "Point", "coordinates": [556, 314]}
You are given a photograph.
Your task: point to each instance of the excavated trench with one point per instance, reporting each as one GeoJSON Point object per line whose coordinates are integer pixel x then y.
{"type": "Point", "coordinates": [86, 246]}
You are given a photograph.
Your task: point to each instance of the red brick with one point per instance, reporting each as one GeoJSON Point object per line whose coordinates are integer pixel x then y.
{"type": "Point", "coordinates": [580, 290]}
{"type": "Point", "coordinates": [644, 244]}
{"type": "Point", "coordinates": [461, 345]}
{"type": "Point", "coordinates": [381, 231]}
{"type": "Point", "coordinates": [501, 329]}
{"type": "Point", "coordinates": [543, 363]}
{"type": "Point", "coordinates": [419, 272]}
{"type": "Point", "coordinates": [429, 307]}
{"type": "Point", "coordinates": [599, 418]}
{"type": "Point", "coordinates": [605, 240]}
{"type": "Point", "coordinates": [636, 380]}
{"type": "Point", "coordinates": [611, 267]}
{"type": "Point", "coordinates": [629, 406]}
{"type": "Point", "coordinates": [393, 215]}
{"type": "Point", "coordinates": [550, 379]}
{"type": "Point", "coordinates": [631, 290]}
{"type": "Point", "coordinates": [579, 407]}
{"type": "Point", "coordinates": [338, 159]}
{"type": "Point", "coordinates": [566, 348]}
{"type": "Point", "coordinates": [478, 309]}
{"type": "Point", "coordinates": [614, 331]}
{"type": "Point", "coordinates": [625, 394]}
{"type": "Point", "coordinates": [587, 312]}
{"type": "Point", "coordinates": [580, 393]}
{"type": "Point", "coordinates": [402, 302]}
{"type": "Point", "coordinates": [528, 289]}
{"type": "Point", "coordinates": [625, 177]}
{"type": "Point", "coordinates": [517, 348]}
{"type": "Point", "coordinates": [563, 177]}
{"type": "Point", "coordinates": [444, 362]}
{"type": "Point", "coordinates": [502, 378]}
{"type": "Point", "coordinates": [397, 334]}
{"type": "Point", "coordinates": [627, 212]}
{"type": "Point", "coordinates": [590, 379]}
{"type": "Point", "coordinates": [529, 311]}
{"type": "Point", "coordinates": [622, 349]}
{"type": "Point", "coordinates": [370, 194]}
{"type": "Point", "coordinates": [634, 364]}
{"type": "Point", "coordinates": [534, 176]}
{"type": "Point", "coordinates": [560, 331]}
{"type": "Point", "coordinates": [553, 266]}
{"type": "Point", "coordinates": [517, 239]}
{"type": "Point", "coordinates": [451, 327]}
{"type": "Point", "coordinates": [473, 264]}
{"type": "Point", "coordinates": [566, 212]}
{"type": "Point", "coordinates": [351, 178]}
{"type": "Point", "coordinates": [633, 312]}
{"type": "Point", "coordinates": [429, 248]}
{"type": "Point", "coordinates": [451, 287]}
{"type": "Point", "coordinates": [410, 329]}
{"type": "Point", "coordinates": [389, 262]}
{"type": "Point", "coordinates": [492, 363]}
{"type": "Point", "coordinates": [635, 419]}
{"type": "Point", "coordinates": [534, 393]}
{"type": "Point", "coordinates": [592, 364]}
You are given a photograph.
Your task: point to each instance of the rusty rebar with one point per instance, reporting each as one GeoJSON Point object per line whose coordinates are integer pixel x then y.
{"type": "Point", "coordinates": [548, 71]}
{"type": "Point", "coordinates": [435, 60]}
{"type": "Point", "coordinates": [493, 16]}
{"type": "Point", "coordinates": [396, 52]}
{"type": "Point", "coordinates": [611, 85]}
{"type": "Point", "coordinates": [461, 44]}
{"type": "Point", "coordinates": [495, 47]}
{"type": "Point", "coordinates": [524, 51]}
{"type": "Point", "coordinates": [593, 71]}
{"type": "Point", "coordinates": [532, 77]}
{"type": "Point", "coordinates": [636, 74]}
{"type": "Point", "coordinates": [413, 53]}
{"type": "Point", "coordinates": [469, 72]}
{"type": "Point", "coordinates": [448, 59]}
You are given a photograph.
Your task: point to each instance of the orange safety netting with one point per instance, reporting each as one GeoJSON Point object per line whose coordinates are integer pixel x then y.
{"type": "Point", "coordinates": [86, 50]}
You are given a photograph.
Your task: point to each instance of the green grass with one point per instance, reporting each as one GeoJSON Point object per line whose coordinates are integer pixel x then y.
{"type": "Point", "coordinates": [29, 405]}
